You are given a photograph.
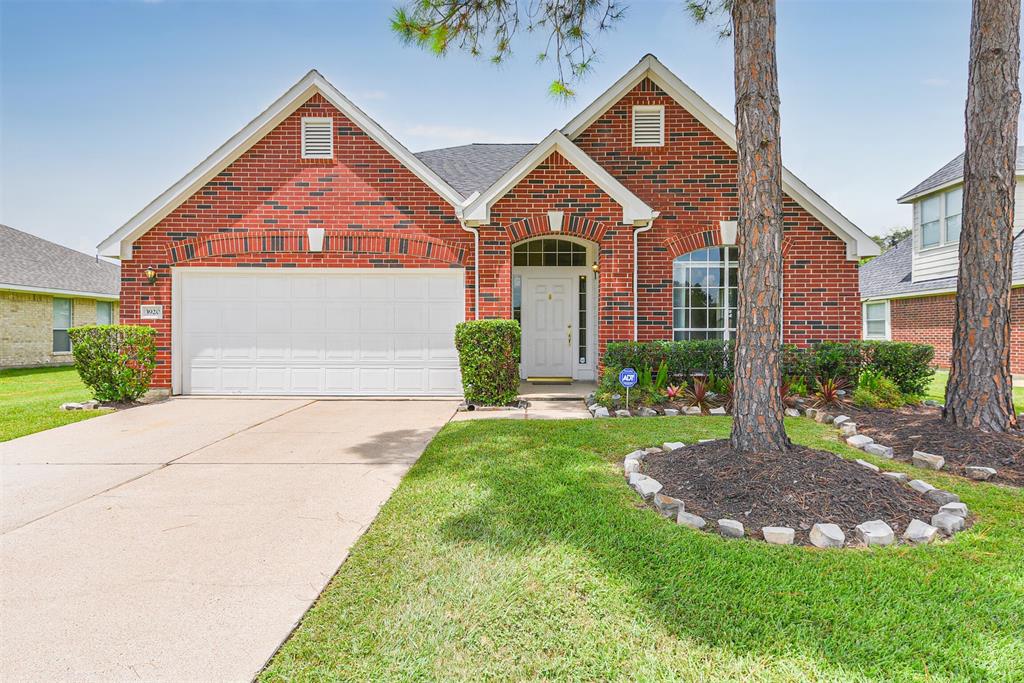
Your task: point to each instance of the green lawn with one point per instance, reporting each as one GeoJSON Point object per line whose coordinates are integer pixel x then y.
{"type": "Point", "coordinates": [937, 390]}
{"type": "Point", "coordinates": [30, 400]}
{"type": "Point", "coordinates": [514, 550]}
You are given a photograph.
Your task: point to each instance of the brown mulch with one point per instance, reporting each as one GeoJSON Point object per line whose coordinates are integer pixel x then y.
{"type": "Point", "coordinates": [921, 428]}
{"type": "Point", "coordinates": [798, 489]}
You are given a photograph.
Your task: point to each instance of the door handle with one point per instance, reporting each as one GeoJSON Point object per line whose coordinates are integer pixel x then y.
{"type": "Point", "coordinates": [569, 335]}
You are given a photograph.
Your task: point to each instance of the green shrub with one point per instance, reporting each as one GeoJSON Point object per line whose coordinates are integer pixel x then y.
{"type": "Point", "coordinates": [837, 360]}
{"type": "Point", "coordinates": [489, 360]}
{"type": "Point", "coordinates": [681, 358]}
{"type": "Point", "coordinates": [882, 391]}
{"type": "Point", "coordinates": [906, 364]}
{"type": "Point", "coordinates": [115, 361]}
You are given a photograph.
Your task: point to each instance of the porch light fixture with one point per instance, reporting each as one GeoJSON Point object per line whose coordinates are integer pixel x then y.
{"type": "Point", "coordinates": [555, 220]}
{"type": "Point", "coordinates": [596, 268]}
{"type": "Point", "coordinates": [151, 275]}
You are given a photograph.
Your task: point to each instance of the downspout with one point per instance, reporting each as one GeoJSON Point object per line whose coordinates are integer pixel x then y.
{"type": "Point", "coordinates": [476, 254]}
{"type": "Point", "coordinates": [636, 274]}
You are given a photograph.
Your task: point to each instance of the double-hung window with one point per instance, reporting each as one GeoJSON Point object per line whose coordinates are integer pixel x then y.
{"type": "Point", "coordinates": [104, 313]}
{"type": "Point", "coordinates": [876, 320]}
{"type": "Point", "coordinates": [940, 218]}
{"type": "Point", "coordinates": [62, 313]}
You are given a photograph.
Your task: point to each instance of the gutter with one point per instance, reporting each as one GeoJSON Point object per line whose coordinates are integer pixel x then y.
{"type": "Point", "coordinates": [476, 252]}
{"type": "Point", "coordinates": [636, 273]}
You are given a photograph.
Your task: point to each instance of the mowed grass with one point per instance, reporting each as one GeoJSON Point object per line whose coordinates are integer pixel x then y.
{"type": "Point", "coordinates": [514, 550]}
{"type": "Point", "coordinates": [937, 392]}
{"type": "Point", "coordinates": [30, 400]}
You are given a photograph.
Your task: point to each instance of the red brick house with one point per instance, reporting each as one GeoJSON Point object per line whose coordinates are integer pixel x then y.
{"type": "Point", "coordinates": [908, 293]}
{"type": "Point", "coordinates": [314, 254]}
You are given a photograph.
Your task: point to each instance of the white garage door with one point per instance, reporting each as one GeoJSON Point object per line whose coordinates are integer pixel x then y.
{"type": "Point", "coordinates": [339, 332]}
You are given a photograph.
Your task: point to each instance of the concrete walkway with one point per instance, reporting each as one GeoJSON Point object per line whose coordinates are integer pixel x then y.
{"type": "Point", "coordinates": [184, 540]}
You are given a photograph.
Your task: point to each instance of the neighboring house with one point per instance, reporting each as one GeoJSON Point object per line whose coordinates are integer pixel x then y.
{"type": "Point", "coordinates": [908, 293]}
{"type": "Point", "coordinates": [44, 290]}
{"type": "Point", "coordinates": [314, 254]}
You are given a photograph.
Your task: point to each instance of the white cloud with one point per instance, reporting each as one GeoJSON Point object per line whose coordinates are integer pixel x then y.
{"type": "Point", "coordinates": [936, 82]}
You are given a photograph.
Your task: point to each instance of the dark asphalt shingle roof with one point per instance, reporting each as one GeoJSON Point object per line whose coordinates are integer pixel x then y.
{"type": "Point", "coordinates": [954, 170]}
{"type": "Point", "coordinates": [889, 274]}
{"type": "Point", "coordinates": [473, 168]}
{"type": "Point", "coordinates": [31, 261]}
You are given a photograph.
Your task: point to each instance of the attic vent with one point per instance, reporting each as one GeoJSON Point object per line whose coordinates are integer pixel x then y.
{"type": "Point", "coordinates": [648, 126]}
{"type": "Point", "coordinates": [317, 138]}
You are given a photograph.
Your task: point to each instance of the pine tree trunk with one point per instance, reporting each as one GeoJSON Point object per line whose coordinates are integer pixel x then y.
{"type": "Point", "coordinates": [757, 406]}
{"type": "Point", "coordinates": [980, 392]}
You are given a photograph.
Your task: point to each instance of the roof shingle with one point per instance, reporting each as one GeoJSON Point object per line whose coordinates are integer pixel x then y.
{"type": "Point", "coordinates": [954, 170]}
{"type": "Point", "coordinates": [30, 261]}
{"type": "Point", "coordinates": [473, 168]}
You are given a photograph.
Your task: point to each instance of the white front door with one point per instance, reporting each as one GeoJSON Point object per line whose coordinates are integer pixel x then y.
{"type": "Point", "coordinates": [547, 317]}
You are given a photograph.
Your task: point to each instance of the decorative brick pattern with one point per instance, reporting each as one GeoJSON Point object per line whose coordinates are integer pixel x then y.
{"type": "Point", "coordinates": [929, 320]}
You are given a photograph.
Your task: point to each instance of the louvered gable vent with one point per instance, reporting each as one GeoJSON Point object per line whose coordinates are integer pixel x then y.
{"type": "Point", "coordinates": [648, 126]}
{"type": "Point", "coordinates": [317, 138]}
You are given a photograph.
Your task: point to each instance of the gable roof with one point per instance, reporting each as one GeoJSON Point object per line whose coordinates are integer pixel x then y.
{"type": "Point", "coordinates": [634, 209]}
{"type": "Point", "coordinates": [32, 264]}
{"type": "Point", "coordinates": [858, 243]}
{"type": "Point", "coordinates": [474, 168]}
{"type": "Point", "coordinates": [119, 243]}
{"type": "Point", "coordinates": [889, 275]}
{"type": "Point", "coordinates": [950, 174]}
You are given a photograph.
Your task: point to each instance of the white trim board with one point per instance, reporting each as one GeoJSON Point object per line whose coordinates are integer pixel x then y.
{"type": "Point", "coordinates": [118, 244]}
{"type": "Point", "coordinates": [634, 209]}
{"type": "Point", "coordinates": [58, 292]}
{"type": "Point", "coordinates": [858, 243]}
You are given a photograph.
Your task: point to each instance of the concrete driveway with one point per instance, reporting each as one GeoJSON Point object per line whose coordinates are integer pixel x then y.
{"type": "Point", "coordinates": [184, 540]}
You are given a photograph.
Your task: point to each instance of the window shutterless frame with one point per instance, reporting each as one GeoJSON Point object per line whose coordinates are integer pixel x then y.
{"type": "Point", "coordinates": [63, 313]}
{"type": "Point", "coordinates": [939, 219]}
{"type": "Point", "coordinates": [876, 320]}
{"type": "Point", "coordinates": [704, 293]}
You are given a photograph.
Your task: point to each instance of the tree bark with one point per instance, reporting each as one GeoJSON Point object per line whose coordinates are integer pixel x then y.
{"type": "Point", "coordinates": [979, 394]}
{"type": "Point", "coordinates": [757, 406]}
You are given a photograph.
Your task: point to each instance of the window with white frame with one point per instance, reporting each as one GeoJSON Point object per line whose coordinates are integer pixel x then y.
{"type": "Point", "coordinates": [704, 292]}
{"type": "Point", "coordinates": [876, 320]}
{"type": "Point", "coordinates": [940, 218]}
{"type": "Point", "coordinates": [62, 314]}
{"type": "Point", "coordinates": [104, 313]}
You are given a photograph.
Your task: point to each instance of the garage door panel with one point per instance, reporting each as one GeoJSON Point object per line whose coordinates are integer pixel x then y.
{"type": "Point", "coordinates": [336, 333]}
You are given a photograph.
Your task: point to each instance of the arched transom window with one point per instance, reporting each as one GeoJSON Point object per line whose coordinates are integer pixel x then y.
{"type": "Point", "coordinates": [549, 252]}
{"type": "Point", "coordinates": [704, 294]}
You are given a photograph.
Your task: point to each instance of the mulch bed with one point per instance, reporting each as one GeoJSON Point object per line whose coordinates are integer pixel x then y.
{"type": "Point", "coordinates": [798, 489]}
{"type": "Point", "coordinates": [921, 428]}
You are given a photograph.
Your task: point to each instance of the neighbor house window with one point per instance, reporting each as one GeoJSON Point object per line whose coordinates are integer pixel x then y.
{"type": "Point", "coordinates": [704, 293]}
{"type": "Point", "coordinates": [62, 309]}
{"type": "Point", "coordinates": [940, 218]}
{"type": "Point", "coordinates": [876, 320]}
{"type": "Point", "coordinates": [104, 313]}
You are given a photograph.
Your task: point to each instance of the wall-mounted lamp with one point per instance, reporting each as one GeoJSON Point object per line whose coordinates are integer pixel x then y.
{"type": "Point", "coordinates": [151, 275]}
{"type": "Point", "coordinates": [596, 268]}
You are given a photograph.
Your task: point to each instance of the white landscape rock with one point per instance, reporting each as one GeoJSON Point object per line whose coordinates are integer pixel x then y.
{"type": "Point", "coordinates": [653, 450]}
{"type": "Point", "coordinates": [896, 476]}
{"type": "Point", "coordinates": [718, 411]}
{"type": "Point", "coordinates": [840, 419]}
{"type": "Point", "coordinates": [859, 440]}
{"type": "Point", "coordinates": [647, 487]}
{"type": "Point", "coordinates": [601, 411]}
{"type": "Point", "coordinates": [792, 412]}
{"type": "Point", "coordinates": [634, 477]}
{"type": "Point", "coordinates": [868, 465]}
{"type": "Point", "coordinates": [692, 410]}
{"type": "Point", "coordinates": [940, 497]}
{"type": "Point", "coordinates": [811, 412]}
{"type": "Point", "coordinates": [670, 446]}
{"type": "Point", "coordinates": [875, 532]}
{"type": "Point", "coordinates": [979, 473]}
{"type": "Point", "coordinates": [921, 486]}
{"type": "Point", "coordinates": [690, 520]}
{"type": "Point", "coordinates": [630, 465]}
{"type": "Point", "coordinates": [948, 522]}
{"type": "Point", "coordinates": [959, 509]}
{"type": "Point", "coordinates": [667, 505]}
{"type": "Point", "coordinates": [919, 532]}
{"type": "Point", "coordinates": [637, 454]}
{"type": "Point", "coordinates": [705, 440]}
{"type": "Point", "coordinates": [623, 413]}
{"type": "Point", "coordinates": [778, 535]}
{"type": "Point", "coordinates": [922, 459]}
{"type": "Point", "coordinates": [848, 428]}
{"type": "Point", "coordinates": [730, 528]}
{"type": "Point", "coordinates": [827, 536]}
{"type": "Point", "coordinates": [822, 416]}
{"type": "Point", "coordinates": [879, 450]}
{"type": "Point", "coordinates": [647, 412]}
{"type": "Point", "coordinates": [671, 412]}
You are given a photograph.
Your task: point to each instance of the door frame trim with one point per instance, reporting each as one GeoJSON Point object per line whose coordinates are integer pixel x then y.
{"type": "Point", "coordinates": [572, 273]}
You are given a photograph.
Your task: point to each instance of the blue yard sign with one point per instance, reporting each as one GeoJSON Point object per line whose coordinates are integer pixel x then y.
{"type": "Point", "coordinates": [628, 378]}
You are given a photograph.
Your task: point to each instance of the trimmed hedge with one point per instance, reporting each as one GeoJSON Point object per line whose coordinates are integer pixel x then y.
{"type": "Point", "coordinates": [907, 365]}
{"type": "Point", "coordinates": [489, 360]}
{"type": "Point", "coordinates": [115, 361]}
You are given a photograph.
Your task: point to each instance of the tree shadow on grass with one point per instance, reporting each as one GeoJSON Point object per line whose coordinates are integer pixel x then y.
{"type": "Point", "coordinates": [892, 614]}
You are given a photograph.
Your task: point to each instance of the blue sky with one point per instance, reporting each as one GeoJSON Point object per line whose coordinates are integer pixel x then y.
{"type": "Point", "coordinates": [106, 104]}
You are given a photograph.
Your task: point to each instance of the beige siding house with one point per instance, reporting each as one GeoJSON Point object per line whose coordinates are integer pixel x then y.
{"type": "Point", "coordinates": [45, 289]}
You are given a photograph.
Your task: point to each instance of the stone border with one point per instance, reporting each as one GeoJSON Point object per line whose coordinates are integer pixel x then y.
{"type": "Point", "coordinates": [598, 410]}
{"type": "Point", "coordinates": [950, 518]}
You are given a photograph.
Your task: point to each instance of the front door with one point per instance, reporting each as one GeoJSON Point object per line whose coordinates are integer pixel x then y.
{"type": "Point", "coordinates": [547, 318]}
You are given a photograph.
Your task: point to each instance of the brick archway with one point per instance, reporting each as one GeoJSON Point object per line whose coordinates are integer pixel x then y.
{"type": "Point", "coordinates": [358, 243]}
{"type": "Point", "coordinates": [573, 225]}
{"type": "Point", "coordinates": [677, 245]}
